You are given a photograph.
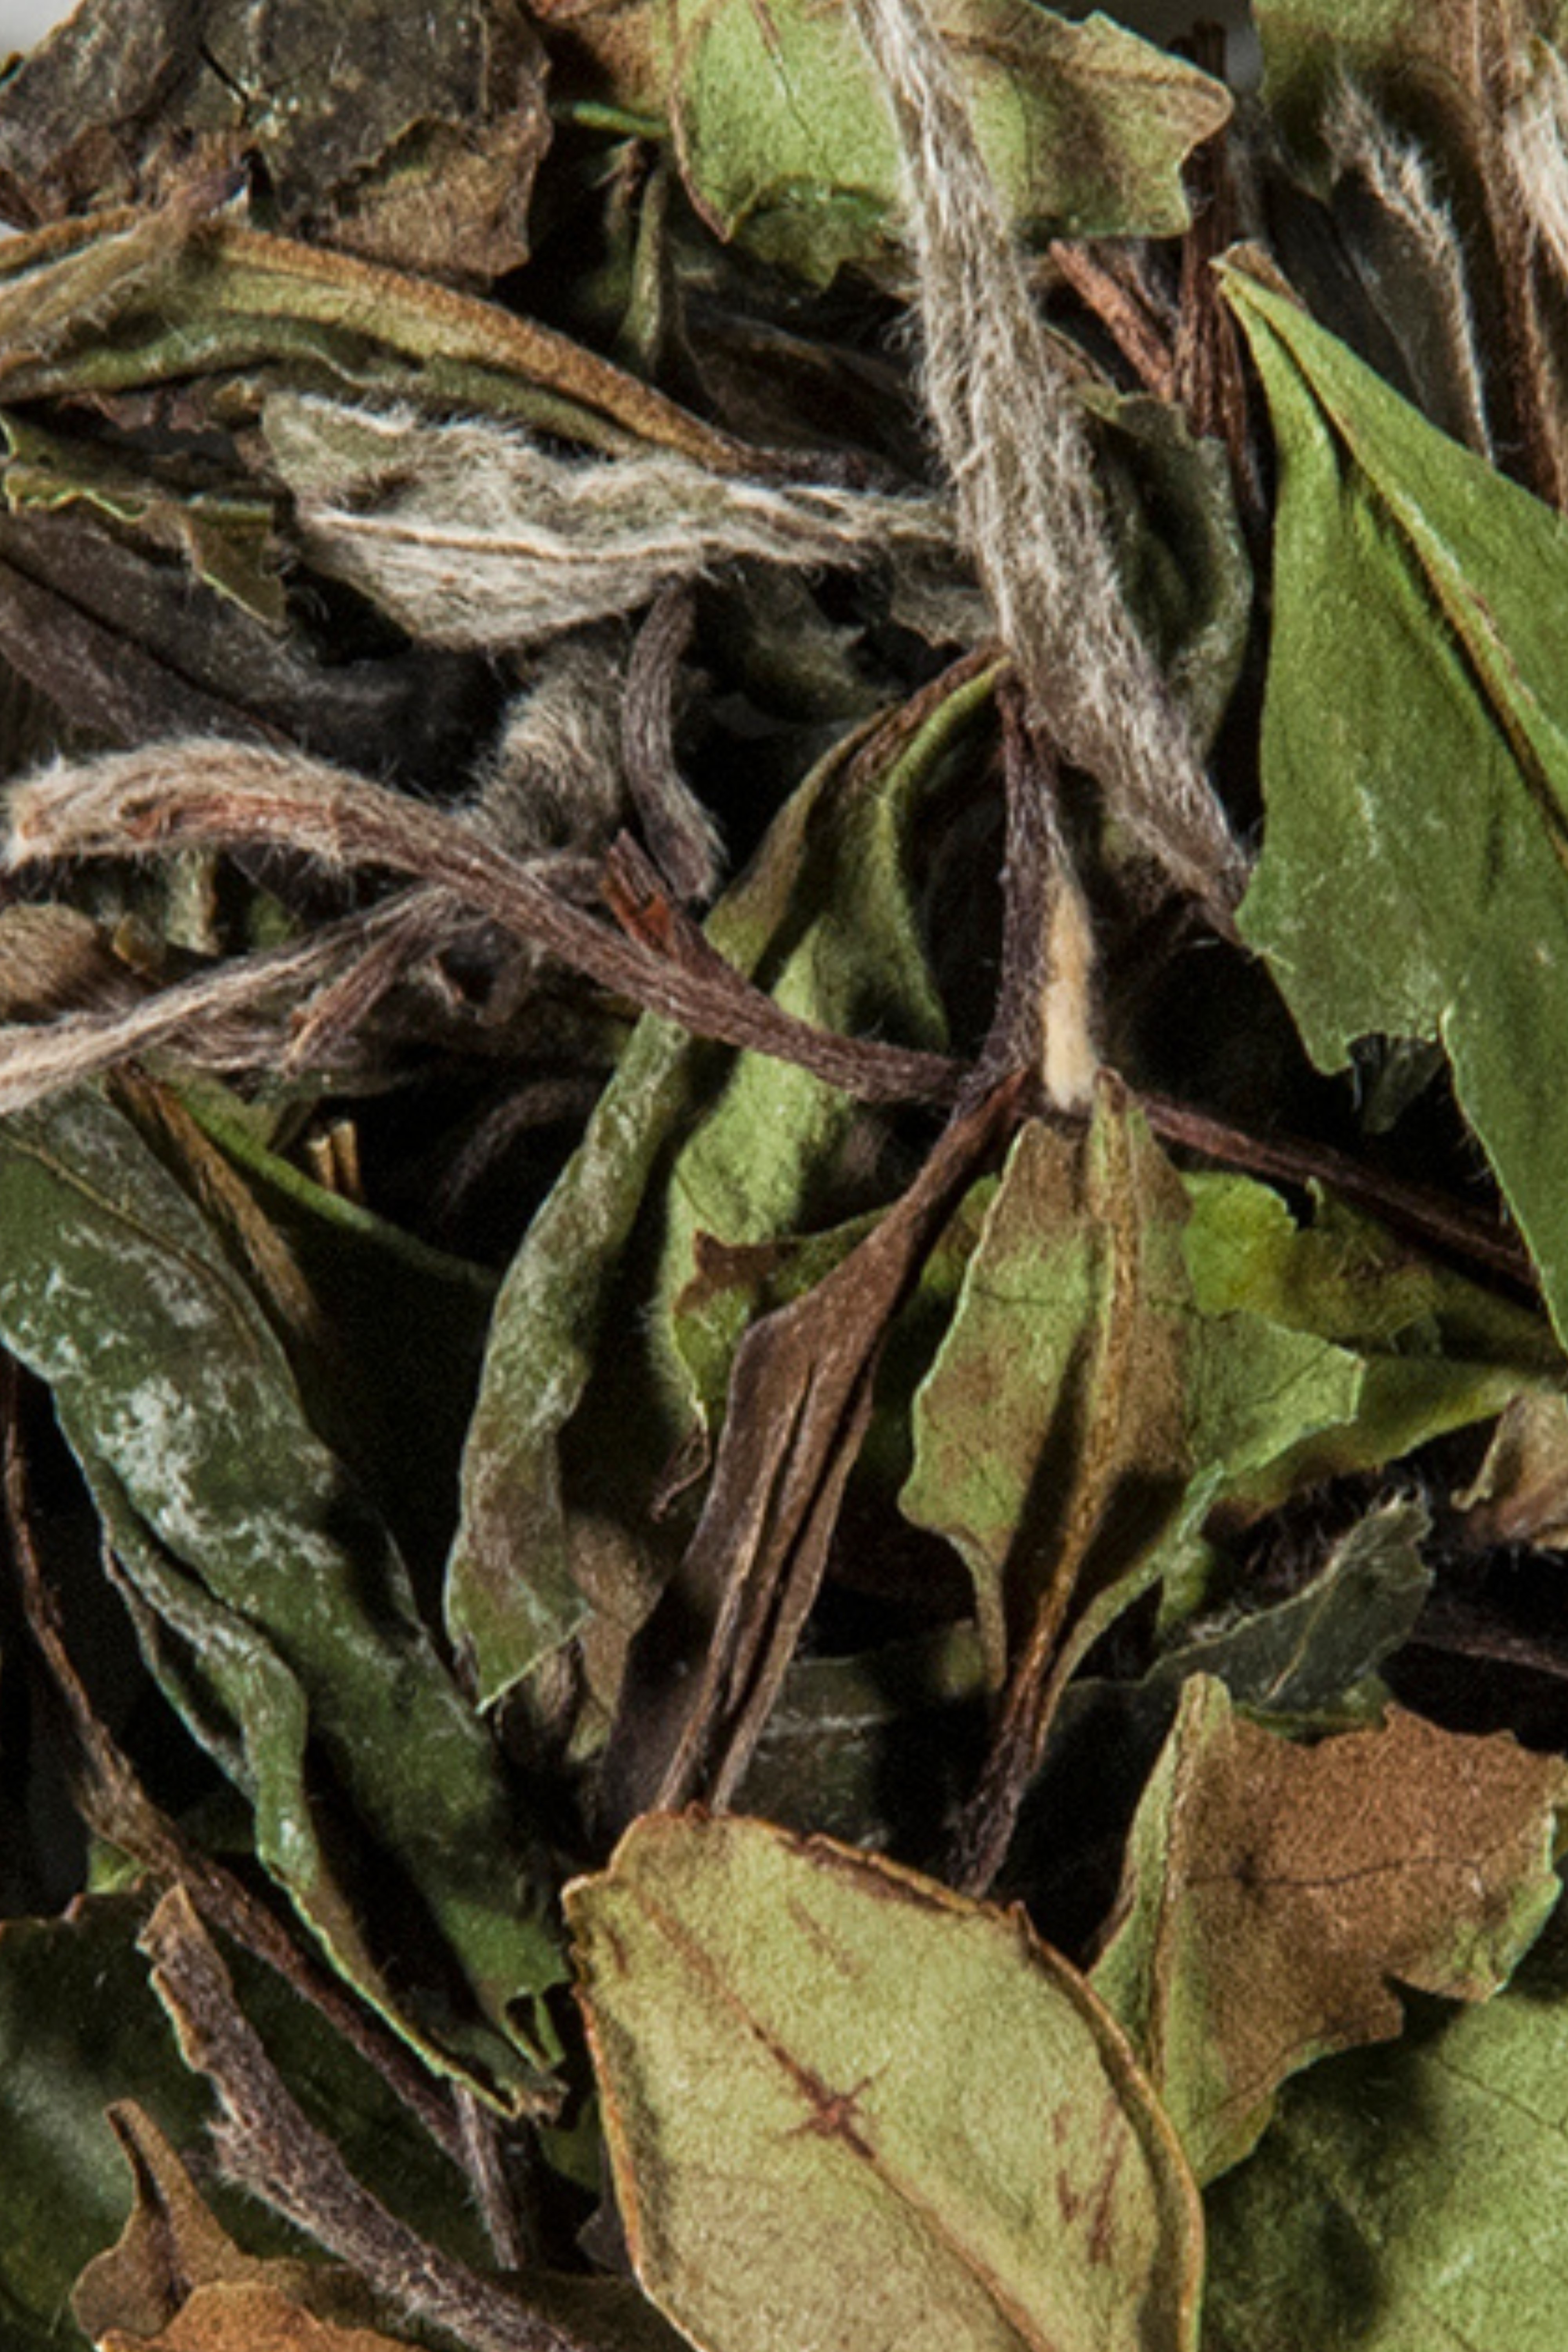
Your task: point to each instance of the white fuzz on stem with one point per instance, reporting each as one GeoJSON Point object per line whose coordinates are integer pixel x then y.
{"type": "Point", "coordinates": [1397, 177]}
{"type": "Point", "coordinates": [1535, 135]}
{"type": "Point", "coordinates": [1018, 456]}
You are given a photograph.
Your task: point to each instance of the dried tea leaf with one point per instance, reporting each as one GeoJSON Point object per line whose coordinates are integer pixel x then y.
{"type": "Point", "coordinates": [241, 2316]}
{"type": "Point", "coordinates": [226, 537]}
{"type": "Point", "coordinates": [1519, 1493]}
{"type": "Point", "coordinates": [1080, 1369]}
{"type": "Point", "coordinates": [1275, 1894]}
{"type": "Point", "coordinates": [1437, 1352]}
{"type": "Point", "coordinates": [1311, 1652]}
{"type": "Point", "coordinates": [472, 536]}
{"type": "Point", "coordinates": [1179, 548]}
{"type": "Point", "coordinates": [1416, 757]}
{"type": "Point", "coordinates": [269, 1600]}
{"type": "Point", "coordinates": [844, 2106]}
{"type": "Point", "coordinates": [1437, 62]}
{"type": "Point", "coordinates": [782, 141]}
{"type": "Point", "coordinates": [879, 1749]}
{"type": "Point", "coordinates": [133, 299]}
{"type": "Point", "coordinates": [800, 1402]}
{"type": "Point", "coordinates": [79, 2029]}
{"type": "Point", "coordinates": [419, 153]}
{"type": "Point", "coordinates": [1409, 2196]}
{"type": "Point", "coordinates": [173, 2251]}
{"type": "Point", "coordinates": [120, 643]}
{"type": "Point", "coordinates": [824, 914]}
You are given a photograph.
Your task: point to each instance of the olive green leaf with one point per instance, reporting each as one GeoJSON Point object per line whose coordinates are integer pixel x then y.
{"type": "Point", "coordinates": [779, 133]}
{"type": "Point", "coordinates": [270, 1602]}
{"type": "Point", "coordinates": [1416, 757]}
{"type": "Point", "coordinates": [1409, 2196]}
{"type": "Point", "coordinates": [687, 1143]}
{"type": "Point", "coordinates": [1274, 1894]}
{"type": "Point", "coordinates": [844, 2106]}
{"type": "Point", "coordinates": [1313, 1652]}
{"type": "Point", "coordinates": [1077, 1313]}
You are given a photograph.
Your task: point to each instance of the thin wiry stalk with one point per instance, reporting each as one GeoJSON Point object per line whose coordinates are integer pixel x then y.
{"type": "Point", "coordinates": [229, 796]}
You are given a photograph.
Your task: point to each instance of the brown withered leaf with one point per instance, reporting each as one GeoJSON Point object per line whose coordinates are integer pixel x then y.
{"type": "Point", "coordinates": [799, 1404]}
{"type": "Point", "coordinates": [421, 152]}
{"type": "Point", "coordinates": [155, 2285]}
{"type": "Point", "coordinates": [240, 2318]}
{"type": "Point", "coordinates": [1275, 1894]}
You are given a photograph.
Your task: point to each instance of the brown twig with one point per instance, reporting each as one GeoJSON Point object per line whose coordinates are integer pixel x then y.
{"type": "Point", "coordinates": [269, 2146]}
{"type": "Point", "coordinates": [230, 795]}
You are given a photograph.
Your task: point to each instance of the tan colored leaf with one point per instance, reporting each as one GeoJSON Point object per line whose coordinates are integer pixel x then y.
{"type": "Point", "coordinates": [846, 2107]}
{"type": "Point", "coordinates": [249, 2319]}
{"type": "Point", "coordinates": [174, 2255]}
{"type": "Point", "coordinates": [1276, 1894]}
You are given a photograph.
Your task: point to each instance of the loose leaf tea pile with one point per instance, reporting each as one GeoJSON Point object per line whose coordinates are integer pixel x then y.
{"type": "Point", "coordinates": [783, 946]}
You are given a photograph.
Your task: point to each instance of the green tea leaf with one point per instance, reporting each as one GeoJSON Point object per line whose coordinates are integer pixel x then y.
{"type": "Point", "coordinates": [686, 1142]}
{"type": "Point", "coordinates": [270, 1602]}
{"type": "Point", "coordinates": [1409, 2197]}
{"type": "Point", "coordinates": [1437, 1352]}
{"type": "Point", "coordinates": [781, 136]}
{"type": "Point", "coordinates": [1081, 1264]}
{"type": "Point", "coordinates": [1416, 757]}
{"type": "Point", "coordinates": [1274, 1894]}
{"type": "Point", "coordinates": [846, 2106]}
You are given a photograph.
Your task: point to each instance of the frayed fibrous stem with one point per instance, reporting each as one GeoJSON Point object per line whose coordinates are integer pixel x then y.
{"type": "Point", "coordinates": [227, 1018]}
{"type": "Point", "coordinates": [230, 795]}
{"type": "Point", "coordinates": [1018, 456]}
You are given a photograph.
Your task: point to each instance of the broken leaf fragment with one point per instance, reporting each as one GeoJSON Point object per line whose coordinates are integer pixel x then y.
{"type": "Point", "coordinates": [846, 2106]}
{"type": "Point", "coordinates": [1274, 1893]}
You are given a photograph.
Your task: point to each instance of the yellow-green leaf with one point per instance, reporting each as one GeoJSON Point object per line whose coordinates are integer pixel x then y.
{"type": "Point", "coordinates": [847, 2108]}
